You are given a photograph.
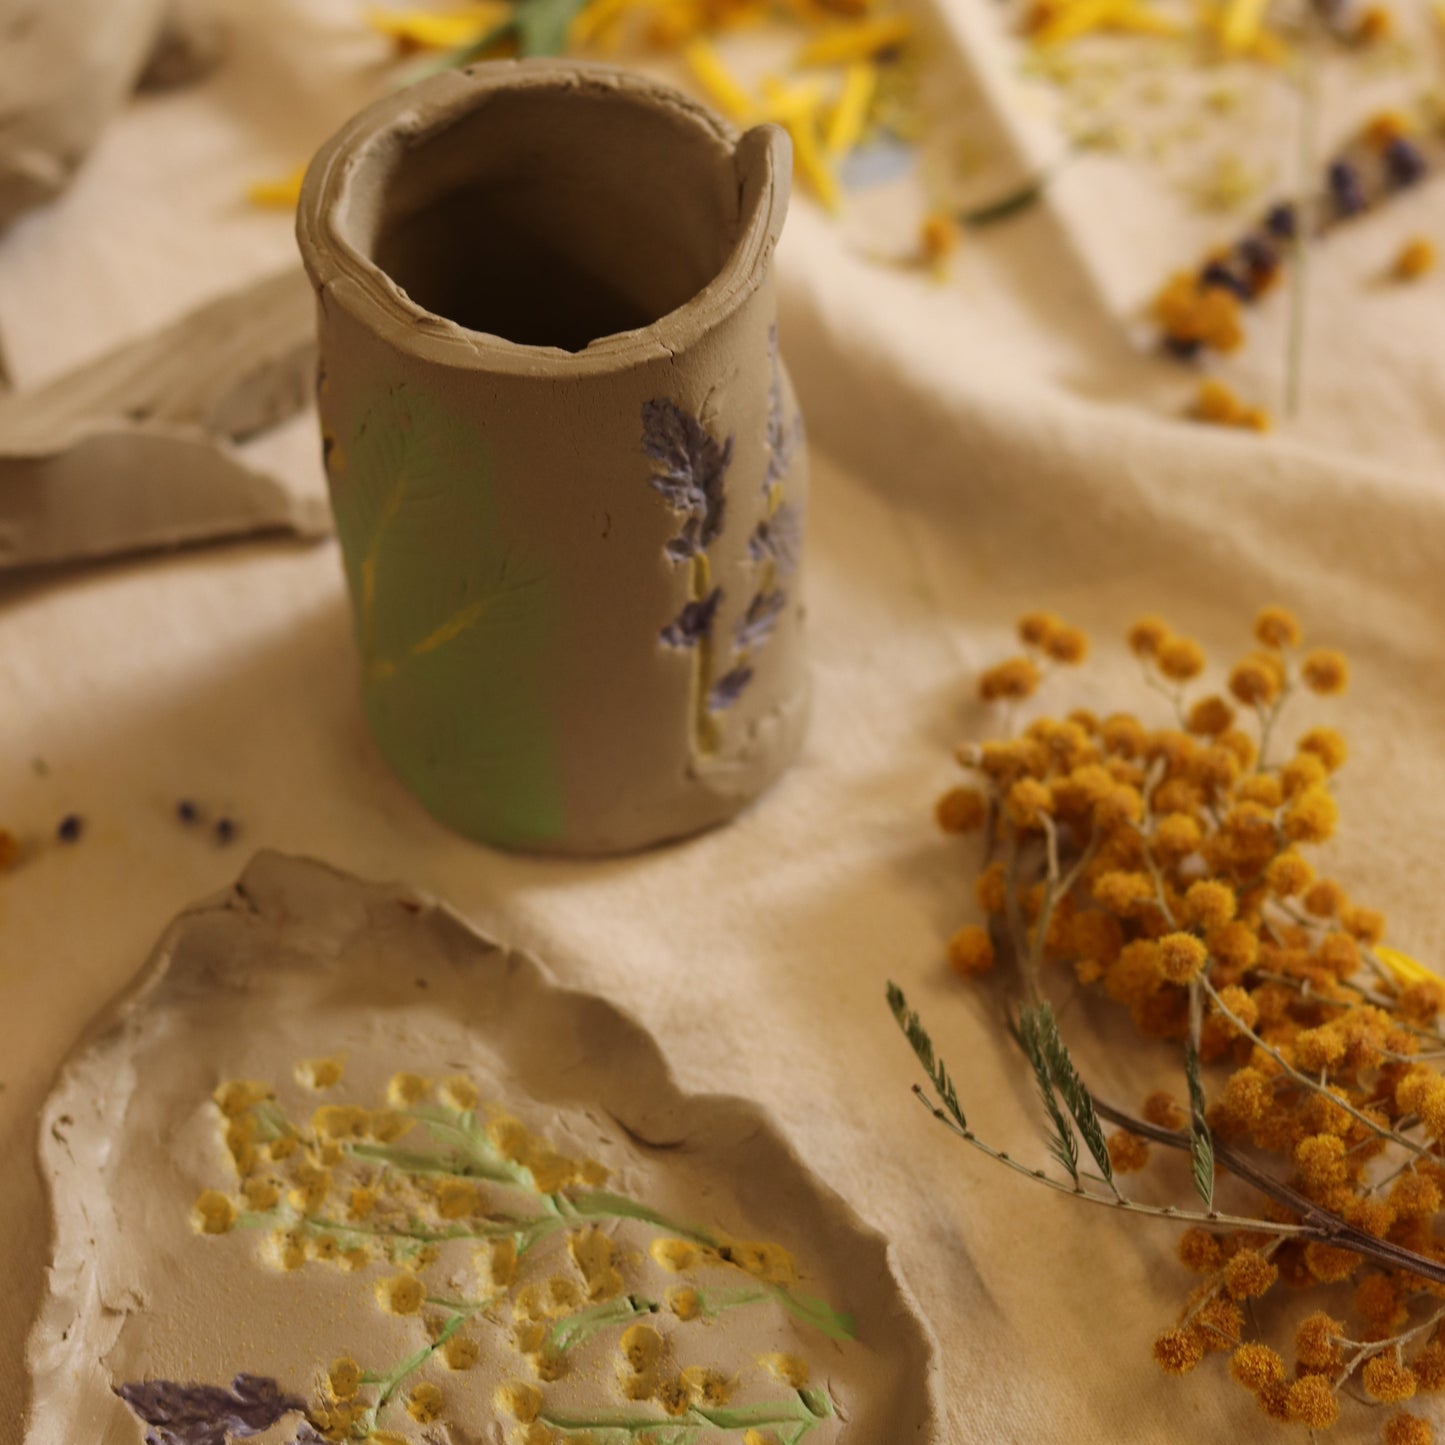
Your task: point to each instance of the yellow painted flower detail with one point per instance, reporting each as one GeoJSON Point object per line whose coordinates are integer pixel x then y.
{"type": "Point", "coordinates": [459, 1093]}
{"type": "Point", "coordinates": [320, 1073]}
{"type": "Point", "coordinates": [286, 1249]}
{"type": "Point", "coordinates": [402, 1294]}
{"type": "Point", "coordinates": [591, 1251]}
{"type": "Point", "coordinates": [460, 1352]}
{"type": "Point", "coordinates": [770, 1263]}
{"type": "Point", "coordinates": [456, 1199]}
{"type": "Point", "coordinates": [339, 1121]}
{"type": "Point", "coordinates": [788, 1368]}
{"type": "Point", "coordinates": [704, 1386]}
{"type": "Point", "coordinates": [674, 1255]}
{"type": "Point", "coordinates": [406, 1091]}
{"type": "Point", "coordinates": [424, 1403]}
{"type": "Point", "coordinates": [261, 1194]}
{"type": "Point", "coordinates": [237, 1095]}
{"type": "Point", "coordinates": [641, 1347]}
{"type": "Point", "coordinates": [519, 1400]}
{"type": "Point", "coordinates": [213, 1213]}
{"type": "Point", "coordinates": [343, 1379]}
{"type": "Point", "coordinates": [685, 1303]}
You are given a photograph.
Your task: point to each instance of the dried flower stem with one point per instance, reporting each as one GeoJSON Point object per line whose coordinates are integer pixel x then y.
{"type": "Point", "coordinates": [1214, 1218]}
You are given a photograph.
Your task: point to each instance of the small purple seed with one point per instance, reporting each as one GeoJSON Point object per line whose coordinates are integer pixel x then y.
{"type": "Point", "coordinates": [1404, 162]}
{"type": "Point", "coordinates": [72, 825]}
{"type": "Point", "coordinates": [1281, 221]}
{"type": "Point", "coordinates": [225, 830]}
{"type": "Point", "coordinates": [187, 811]}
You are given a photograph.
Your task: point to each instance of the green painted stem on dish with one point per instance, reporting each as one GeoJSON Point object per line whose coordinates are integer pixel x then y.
{"type": "Point", "coordinates": [576, 1329]}
{"type": "Point", "coordinates": [792, 1419]}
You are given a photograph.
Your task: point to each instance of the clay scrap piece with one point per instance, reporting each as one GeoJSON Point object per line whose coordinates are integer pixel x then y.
{"type": "Point", "coordinates": [64, 71]}
{"type": "Point", "coordinates": [141, 448]}
{"type": "Point", "coordinates": [337, 1167]}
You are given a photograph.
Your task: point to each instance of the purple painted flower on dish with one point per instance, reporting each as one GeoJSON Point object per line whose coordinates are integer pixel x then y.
{"type": "Point", "coordinates": [176, 1414]}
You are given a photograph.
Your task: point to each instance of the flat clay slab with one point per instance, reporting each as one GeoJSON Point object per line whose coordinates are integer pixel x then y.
{"type": "Point", "coordinates": [337, 1167]}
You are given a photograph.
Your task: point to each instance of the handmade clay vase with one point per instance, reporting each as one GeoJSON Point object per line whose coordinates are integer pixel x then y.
{"type": "Point", "coordinates": [564, 459]}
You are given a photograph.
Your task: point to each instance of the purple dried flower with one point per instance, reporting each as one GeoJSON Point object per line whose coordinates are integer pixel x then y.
{"type": "Point", "coordinates": [1259, 257]}
{"type": "Point", "coordinates": [1186, 348]}
{"type": "Point", "coordinates": [1217, 273]}
{"type": "Point", "coordinates": [1280, 221]}
{"type": "Point", "coordinates": [779, 539]}
{"type": "Point", "coordinates": [728, 688]}
{"type": "Point", "coordinates": [760, 619]}
{"type": "Point", "coordinates": [72, 825]}
{"type": "Point", "coordinates": [207, 1414]}
{"type": "Point", "coordinates": [692, 468]}
{"type": "Point", "coordinates": [694, 622]}
{"type": "Point", "coordinates": [1405, 163]}
{"type": "Point", "coordinates": [1345, 188]}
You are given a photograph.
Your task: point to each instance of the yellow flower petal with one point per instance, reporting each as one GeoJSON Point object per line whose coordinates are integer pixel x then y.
{"type": "Point", "coordinates": [1402, 967]}
{"type": "Point", "coordinates": [281, 194]}
{"type": "Point", "coordinates": [850, 111]}
{"type": "Point", "coordinates": [844, 44]}
{"type": "Point", "coordinates": [1241, 23]}
{"type": "Point", "coordinates": [724, 88]}
{"type": "Point", "coordinates": [437, 29]}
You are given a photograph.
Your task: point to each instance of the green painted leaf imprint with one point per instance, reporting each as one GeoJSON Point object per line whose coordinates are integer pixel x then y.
{"type": "Point", "coordinates": [452, 617]}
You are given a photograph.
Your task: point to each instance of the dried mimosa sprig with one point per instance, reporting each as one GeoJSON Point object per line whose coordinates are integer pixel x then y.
{"type": "Point", "coordinates": [1165, 866]}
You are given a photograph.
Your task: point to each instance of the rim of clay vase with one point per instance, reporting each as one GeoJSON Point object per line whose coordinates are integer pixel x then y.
{"type": "Point", "coordinates": [351, 161]}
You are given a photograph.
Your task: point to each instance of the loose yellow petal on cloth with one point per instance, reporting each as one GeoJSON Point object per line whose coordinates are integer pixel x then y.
{"type": "Point", "coordinates": [1058, 25]}
{"type": "Point", "coordinates": [724, 88]}
{"type": "Point", "coordinates": [865, 40]}
{"type": "Point", "coordinates": [281, 194]}
{"type": "Point", "coordinates": [789, 104]}
{"type": "Point", "coordinates": [1402, 967]}
{"type": "Point", "coordinates": [796, 108]}
{"type": "Point", "coordinates": [850, 111]}
{"type": "Point", "coordinates": [1240, 25]}
{"type": "Point", "coordinates": [599, 23]}
{"type": "Point", "coordinates": [812, 166]}
{"type": "Point", "coordinates": [437, 29]}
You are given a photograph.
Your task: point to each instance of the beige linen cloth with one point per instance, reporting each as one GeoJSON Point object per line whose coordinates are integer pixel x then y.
{"type": "Point", "coordinates": [979, 447]}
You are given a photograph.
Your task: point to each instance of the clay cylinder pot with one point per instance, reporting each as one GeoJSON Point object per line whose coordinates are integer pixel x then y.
{"type": "Point", "coordinates": [564, 458]}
